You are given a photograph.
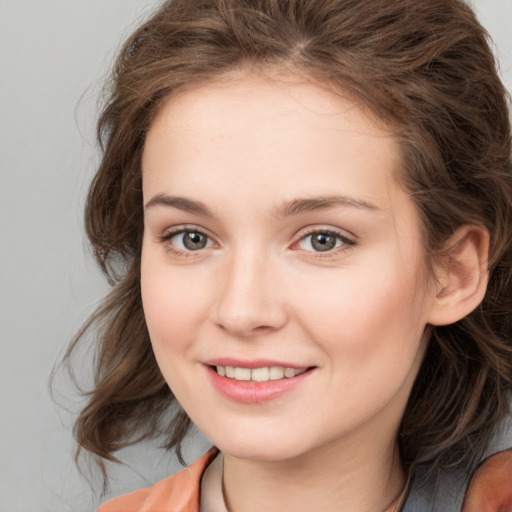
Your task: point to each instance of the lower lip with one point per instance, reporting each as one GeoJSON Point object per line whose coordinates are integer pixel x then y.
{"type": "Point", "coordinates": [250, 392]}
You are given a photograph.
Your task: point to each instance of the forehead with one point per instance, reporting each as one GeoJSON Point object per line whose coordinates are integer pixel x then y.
{"type": "Point", "coordinates": [270, 127]}
{"type": "Point", "coordinates": [251, 96]}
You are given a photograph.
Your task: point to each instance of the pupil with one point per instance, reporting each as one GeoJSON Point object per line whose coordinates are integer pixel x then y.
{"type": "Point", "coordinates": [194, 241]}
{"type": "Point", "coordinates": [323, 242]}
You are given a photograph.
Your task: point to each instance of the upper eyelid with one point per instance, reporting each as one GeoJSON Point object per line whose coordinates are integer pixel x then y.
{"type": "Point", "coordinates": [173, 231]}
{"type": "Point", "coordinates": [310, 230]}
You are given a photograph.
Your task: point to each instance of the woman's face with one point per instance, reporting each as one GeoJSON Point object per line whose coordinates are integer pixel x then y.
{"type": "Point", "coordinates": [280, 249]}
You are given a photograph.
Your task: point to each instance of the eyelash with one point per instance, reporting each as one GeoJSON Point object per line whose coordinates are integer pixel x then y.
{"type": "Point", "coordinates": [167, 236]}
{"type": "Point", "coordinates": [346, 243]}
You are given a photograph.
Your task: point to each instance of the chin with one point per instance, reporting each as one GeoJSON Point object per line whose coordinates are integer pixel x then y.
{"type": "Point", "coordinates": [257, 447]}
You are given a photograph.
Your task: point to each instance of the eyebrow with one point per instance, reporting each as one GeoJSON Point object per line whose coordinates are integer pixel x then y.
{"type": "Point", "coordinates": [287, 209]}
{"type": "Point", "coordinates": [298, 206]}
{"type": "Point", "coordinates": [181, 203]}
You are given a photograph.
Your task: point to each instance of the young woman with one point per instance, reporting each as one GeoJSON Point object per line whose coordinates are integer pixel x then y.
{"type": "Point", "coordinates": [305, 211]}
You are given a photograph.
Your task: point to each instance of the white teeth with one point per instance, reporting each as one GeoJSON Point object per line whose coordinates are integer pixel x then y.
{"type": "Point", "coordinates": [258, 374]}
{"type": "Point", "coordinates": [276, 373]}
{"type": "Point", "coordinates": [289, 372]}
{"type": "Point", "coordinates": [242, 374]}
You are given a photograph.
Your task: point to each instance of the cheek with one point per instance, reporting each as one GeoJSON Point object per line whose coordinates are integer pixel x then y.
{"type": "Point", "coordinates": [173, 306]}
{"type": "Point", "coordinates": [174, 309]}
{"type": "Point", "coordinates": [371, 336]}
{"type": "Point", "coordinates": [365, 317]}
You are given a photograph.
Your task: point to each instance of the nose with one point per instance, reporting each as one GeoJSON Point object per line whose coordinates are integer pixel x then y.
{"type": "Point", "coordinates": [250, 301]}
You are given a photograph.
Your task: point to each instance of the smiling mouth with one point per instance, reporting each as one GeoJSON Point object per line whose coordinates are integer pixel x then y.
{"type": "Point", "coordinates": [263, 374]}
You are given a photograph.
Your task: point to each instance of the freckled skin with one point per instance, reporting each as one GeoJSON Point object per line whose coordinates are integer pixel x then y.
{"type": "Point", "coordinates": [260, 289]}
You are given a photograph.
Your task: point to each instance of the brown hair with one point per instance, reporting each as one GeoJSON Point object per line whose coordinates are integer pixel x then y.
{"type": "Point", "coordinates": [426, 69]}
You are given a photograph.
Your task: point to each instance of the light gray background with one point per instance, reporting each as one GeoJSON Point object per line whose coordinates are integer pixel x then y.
{"type": "Point", "coordinates": [53, 57]}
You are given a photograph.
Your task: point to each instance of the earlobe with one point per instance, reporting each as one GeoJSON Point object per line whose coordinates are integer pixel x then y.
{"type": "Point", "coordinates": [462, 275]}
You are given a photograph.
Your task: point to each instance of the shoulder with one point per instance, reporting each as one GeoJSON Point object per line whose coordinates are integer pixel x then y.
{"type": "Point", "coordinates": [490, 489]}
{"type": "Point", "coordinates": [179, 493]}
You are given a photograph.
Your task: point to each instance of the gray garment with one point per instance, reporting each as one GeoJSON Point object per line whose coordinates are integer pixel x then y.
{"type": "Point", "coordinates": [439, 493]}
{"type": "Point", "coordinates": [445, 492]}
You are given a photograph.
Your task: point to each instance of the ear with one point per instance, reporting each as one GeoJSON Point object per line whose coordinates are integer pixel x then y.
{"type": "Point", "coordinates": [462, 275]}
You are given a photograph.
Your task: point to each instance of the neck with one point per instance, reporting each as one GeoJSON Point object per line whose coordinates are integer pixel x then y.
{"type": "Point", "coordinates": [330, 478]}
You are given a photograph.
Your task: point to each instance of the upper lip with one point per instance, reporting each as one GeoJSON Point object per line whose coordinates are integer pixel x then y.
{"type": "Point", "coordinates": [253, 363]}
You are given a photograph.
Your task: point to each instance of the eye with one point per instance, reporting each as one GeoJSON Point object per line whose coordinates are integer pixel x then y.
{"type": "Point", "coordinates": [323, 241]}
{"type": "Point", "coordinates": [188, 240]}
